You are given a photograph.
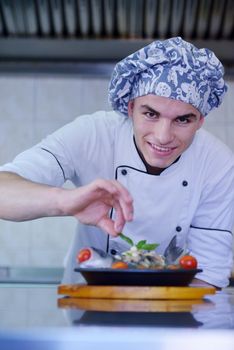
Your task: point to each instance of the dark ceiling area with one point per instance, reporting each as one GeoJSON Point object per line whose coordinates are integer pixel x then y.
{"type": "Point", "coordinates": [107, 30]}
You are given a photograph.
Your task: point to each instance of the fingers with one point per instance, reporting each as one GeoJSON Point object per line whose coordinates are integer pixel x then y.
{"type": "Point", "coordinates": [107, 194]}
{"type": "Point", "coordinates": [125, 201]}
{"type": "Point", "coordinates": [119, 195]}
{"type": "Point", "coordinates": [113, 226]}
{"type": "Point", "coordinates": [119, 220]}
{"type": "Point", "coordinates": [107, 225]}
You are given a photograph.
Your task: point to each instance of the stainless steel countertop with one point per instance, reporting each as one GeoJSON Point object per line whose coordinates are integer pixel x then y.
{"type": "Point", "coordinates": [30, 316]}
{"type": "Point", "coordinates": [31, 305]}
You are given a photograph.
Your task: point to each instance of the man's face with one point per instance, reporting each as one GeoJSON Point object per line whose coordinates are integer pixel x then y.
{"type": "Point", "coordinates": [163, 128]}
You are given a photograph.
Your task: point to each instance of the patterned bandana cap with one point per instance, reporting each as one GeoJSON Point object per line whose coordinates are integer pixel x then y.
{"type": "Point", "coordinates": [171, 68]}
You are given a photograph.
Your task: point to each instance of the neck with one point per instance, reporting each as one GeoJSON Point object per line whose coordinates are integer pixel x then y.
{"type": "Point", "coordinates": [152, 170]}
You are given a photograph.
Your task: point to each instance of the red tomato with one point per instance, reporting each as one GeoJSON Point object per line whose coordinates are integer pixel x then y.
{"type": "Point", "coordinates": [83, 255]}
{"type": "Point", "coordinates": [188, 262]}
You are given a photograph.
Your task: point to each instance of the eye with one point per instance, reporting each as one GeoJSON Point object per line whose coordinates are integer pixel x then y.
{"type": "Point", "coordinates": [151, 115]}
{"type": "Point", "coordinates": [183, 120]}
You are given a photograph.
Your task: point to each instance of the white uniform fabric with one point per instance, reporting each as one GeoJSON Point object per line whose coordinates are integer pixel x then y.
{"type": "Point", "coordinates": [192, 199]}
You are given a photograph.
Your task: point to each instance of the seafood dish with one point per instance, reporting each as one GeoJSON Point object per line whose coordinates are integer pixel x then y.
{"type": "Point", "coordinates": [140, 256]}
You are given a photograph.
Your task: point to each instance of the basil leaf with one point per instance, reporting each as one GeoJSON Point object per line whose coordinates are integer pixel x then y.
{"type": "Point", "coordinates": [140, 244]}
{"type": "Point", "coordinates": [148, 246]}
{"type": "Point", "coordinates": [126, 239]}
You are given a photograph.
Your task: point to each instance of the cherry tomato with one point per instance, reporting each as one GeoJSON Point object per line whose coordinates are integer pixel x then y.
{"type": "Point", "coordinates": [119, 265]}
{"type": "Point", "coordinates": [188, 262]}
{"type": "Point", "coordinates": [83, 255]}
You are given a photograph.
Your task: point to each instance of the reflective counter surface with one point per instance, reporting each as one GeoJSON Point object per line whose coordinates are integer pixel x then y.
{"type": "Point", "coordinates": [34, 314]}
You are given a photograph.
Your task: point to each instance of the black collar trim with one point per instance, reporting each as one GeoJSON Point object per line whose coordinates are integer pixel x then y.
{"type": "Point", "coordinates": [143, 161]}
{"type": "Point", "coordinates": [130, 167]}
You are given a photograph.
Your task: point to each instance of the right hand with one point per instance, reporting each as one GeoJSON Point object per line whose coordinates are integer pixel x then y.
{"type": "Point", "coordinates": [91, 205]}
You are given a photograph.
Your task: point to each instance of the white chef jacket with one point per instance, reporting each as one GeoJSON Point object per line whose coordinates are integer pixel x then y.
{"type": "Point", "coordinates": [192, 199]}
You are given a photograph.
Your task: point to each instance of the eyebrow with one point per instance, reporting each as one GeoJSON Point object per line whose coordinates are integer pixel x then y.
{"type": "Point", "coordinates": [188, 115]}
{"type": "Point", "coordinates": [150, 109]}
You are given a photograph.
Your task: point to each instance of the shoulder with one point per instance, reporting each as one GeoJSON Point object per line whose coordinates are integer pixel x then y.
{"type": "Point", "coordinates": [211, 155]}
{"type": "Point", "coordinates": [210, 146]}
{"type": "Point", "coordinates": [102, 118]}
{"type": "Point", "coordinates": [92, 133]}
{"type": "Point", "coordinates": [88, 126]}
{"type": "Point", "coordinates": [98, 122]}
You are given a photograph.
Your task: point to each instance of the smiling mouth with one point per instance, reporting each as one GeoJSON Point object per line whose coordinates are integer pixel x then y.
{"type": "Point", "coordinates": [161, 149]}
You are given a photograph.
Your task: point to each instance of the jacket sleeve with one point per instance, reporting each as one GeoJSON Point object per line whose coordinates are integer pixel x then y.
{"type": "Point", "coordinates": [51, 161]}
{"type": "Point", "coordinates": [210, 237]}
{"type": "Point", "coordinates": [67, 152]}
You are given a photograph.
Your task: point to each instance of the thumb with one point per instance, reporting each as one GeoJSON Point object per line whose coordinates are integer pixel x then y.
{"type": "Point", "coordinates": [107, 225]}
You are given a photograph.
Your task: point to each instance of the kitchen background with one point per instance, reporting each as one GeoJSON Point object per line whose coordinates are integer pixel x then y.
{"type": "Point", "coordinates": [55, 64]}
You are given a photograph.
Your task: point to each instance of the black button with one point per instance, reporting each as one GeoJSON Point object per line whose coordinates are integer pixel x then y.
{"type": "Point", "coordinates": [178, 228]}
{"type": "Point", "coordinates": [124, 172]}
{"type": "Point", "coordinates": [113, 252]}
{"type": "Point", "coordinates": [185, 183]}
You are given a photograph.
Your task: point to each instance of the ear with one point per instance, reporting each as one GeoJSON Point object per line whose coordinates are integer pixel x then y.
{"type": "Point", "coordinates": [130, 108]}
{"type": "Point", "coordinates": [201, 121]}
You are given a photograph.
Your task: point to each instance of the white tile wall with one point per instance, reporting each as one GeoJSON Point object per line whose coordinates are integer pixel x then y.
{"type": "Point", "coordinates": [32, 107]}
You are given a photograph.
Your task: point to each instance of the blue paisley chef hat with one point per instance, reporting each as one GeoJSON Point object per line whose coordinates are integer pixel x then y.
{"type": "Point", "coordinates": [171, 68]}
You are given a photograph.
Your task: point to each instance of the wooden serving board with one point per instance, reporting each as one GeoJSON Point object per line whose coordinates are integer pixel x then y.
{"type": "Point", "coordinates": [134, 292]}
{"type": "Point", "coordinates": [131, 305]}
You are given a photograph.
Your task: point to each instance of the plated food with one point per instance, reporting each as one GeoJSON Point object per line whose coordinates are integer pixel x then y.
{"type": "Point", "coordinates": [141, 255]}
{"type": "Point", "coordinates": [140, 265]}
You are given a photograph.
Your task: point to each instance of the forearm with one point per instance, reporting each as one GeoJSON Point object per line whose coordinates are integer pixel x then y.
{"type": "Point", "coordinates": [22, 200]}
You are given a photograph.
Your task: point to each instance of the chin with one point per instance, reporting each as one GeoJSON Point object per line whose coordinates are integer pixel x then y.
{"type": "Point", "coordinates": [161, 165]}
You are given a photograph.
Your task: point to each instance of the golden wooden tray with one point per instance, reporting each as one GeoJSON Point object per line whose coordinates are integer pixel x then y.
{"type": "Point", "coordinates": [131, 305]}
{"type": "Point", "coordinates": [134, 292]}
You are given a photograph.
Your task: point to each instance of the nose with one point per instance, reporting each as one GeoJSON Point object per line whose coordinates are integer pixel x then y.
{"type": "Point", "coordinates": [163, 132]}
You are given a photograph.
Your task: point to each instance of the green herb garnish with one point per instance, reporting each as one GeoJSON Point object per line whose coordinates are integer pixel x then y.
{"type": "Point", "coordinates": [149, 246]}
{"type": "Point", "coordinates": [127, 239]}
{"type": "Point", "coordinates": [140, 245]}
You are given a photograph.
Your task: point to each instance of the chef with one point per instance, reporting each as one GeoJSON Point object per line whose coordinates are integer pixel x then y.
{"type": "Point", "coordinates": [147, 168]}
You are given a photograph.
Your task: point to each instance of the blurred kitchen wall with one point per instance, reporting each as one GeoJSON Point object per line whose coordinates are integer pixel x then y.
{"type": "Point", "coordinates": [32, 106]}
